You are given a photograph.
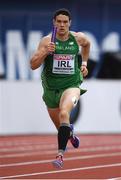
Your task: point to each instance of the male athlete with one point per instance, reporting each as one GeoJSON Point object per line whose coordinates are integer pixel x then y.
{"type": "Point", "coordinates": [62, 76]}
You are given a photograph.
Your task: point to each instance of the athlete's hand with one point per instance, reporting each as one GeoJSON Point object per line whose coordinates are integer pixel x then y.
{"type": "Point", "coordinates": [51, 47]}
{"type": "Point", "coordinates": [84, 70]}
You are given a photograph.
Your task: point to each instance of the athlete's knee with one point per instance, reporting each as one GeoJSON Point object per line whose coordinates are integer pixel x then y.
{"type": "Point", "coordinates": [63, 115]}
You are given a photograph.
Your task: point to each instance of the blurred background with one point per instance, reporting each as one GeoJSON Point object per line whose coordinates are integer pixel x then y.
{"type": "Point", "coordinates": [22, 25]}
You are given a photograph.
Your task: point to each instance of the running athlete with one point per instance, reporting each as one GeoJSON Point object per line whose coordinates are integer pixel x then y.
{"type": "Point", "coordinates": [62, 76]}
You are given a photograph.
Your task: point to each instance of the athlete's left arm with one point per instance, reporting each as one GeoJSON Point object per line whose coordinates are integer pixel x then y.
{"type": "Point", "coordinates": [85, 49]}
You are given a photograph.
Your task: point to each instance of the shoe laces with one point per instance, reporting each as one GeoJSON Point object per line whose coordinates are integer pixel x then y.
{"type": "Point", "coordinates": [59, 157]}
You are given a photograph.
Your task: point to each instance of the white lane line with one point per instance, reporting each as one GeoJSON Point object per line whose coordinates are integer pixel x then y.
{"type": "Point", "coordinates": [25, 154]}
{"type": "Point", "coordinates": [66, 170]}
{"type": "Point", "coordinates": [38, 140]}
{"type": "Point", "coordinates": [22, 143]}
{"type": "Point", "coordinates": [50, 152]}
{"type": "Point", "coordinates": [28, 148]}
{"type": "Point", "coordinates": [65, 159]}
{"type": "Point", "coordinates": [117, 178]}
{"type": "Point", "coordinates": [17, 144]}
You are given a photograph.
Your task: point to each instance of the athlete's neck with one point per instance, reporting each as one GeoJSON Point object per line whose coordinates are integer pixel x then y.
{"type": "Point", "coordinates": [63, 37]}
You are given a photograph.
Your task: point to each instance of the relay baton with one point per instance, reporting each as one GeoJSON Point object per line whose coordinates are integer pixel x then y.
{"type": "Point", "coordinates": [53, 37]}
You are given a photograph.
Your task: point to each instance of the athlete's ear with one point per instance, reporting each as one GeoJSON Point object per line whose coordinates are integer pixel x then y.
{"type": "Point", "coordinates": [70, 23]}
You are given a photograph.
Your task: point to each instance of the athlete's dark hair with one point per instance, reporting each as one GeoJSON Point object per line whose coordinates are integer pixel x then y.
{"type": "Point", "coordinates": [62, 11]}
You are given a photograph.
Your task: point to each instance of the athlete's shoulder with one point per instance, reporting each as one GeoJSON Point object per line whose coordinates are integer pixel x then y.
{"type": "Point", "coordinates": [80, 37]}
{"type": "Point", "coordinates": [44, 41]}
{"type": "Point", "coordinates": [73, 33]}
{"type": "Point", "coordinates": [46, 38]}
{"type": "Point", "coordinates": [78, 34]}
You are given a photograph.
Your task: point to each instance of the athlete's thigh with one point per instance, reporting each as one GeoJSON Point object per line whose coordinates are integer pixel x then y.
{"type": "Point", "coordinates": [69, 98]}
{"type": "Point", "coordinates": [54, 115]}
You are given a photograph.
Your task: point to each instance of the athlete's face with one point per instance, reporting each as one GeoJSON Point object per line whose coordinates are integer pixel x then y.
{"type": "Point", "coordinates": [62, 23]}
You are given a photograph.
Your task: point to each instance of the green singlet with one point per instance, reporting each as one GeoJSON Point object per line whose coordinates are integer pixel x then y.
{"type": "Point", "coordinates": [61, 71]}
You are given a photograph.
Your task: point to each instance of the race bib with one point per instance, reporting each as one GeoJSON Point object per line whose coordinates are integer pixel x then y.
{"type": "Point", "coordinates": [63, 64]}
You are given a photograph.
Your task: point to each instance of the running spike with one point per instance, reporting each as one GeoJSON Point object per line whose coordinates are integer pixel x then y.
{"type": "Point", "coordinates": [58, 162]}
{"type": "Point", "coordinates": [73, 138]}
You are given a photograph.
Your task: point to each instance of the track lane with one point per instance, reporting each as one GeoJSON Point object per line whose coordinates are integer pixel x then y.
{"type": "Point", "coordinates": [23, 151]}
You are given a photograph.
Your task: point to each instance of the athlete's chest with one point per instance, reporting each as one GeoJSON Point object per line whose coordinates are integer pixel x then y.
{"type": "Point", "coordinates": [69, 47]}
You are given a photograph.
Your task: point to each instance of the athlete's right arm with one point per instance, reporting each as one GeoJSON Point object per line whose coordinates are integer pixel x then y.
{"type": "Point", "coordinates": [45, 47]}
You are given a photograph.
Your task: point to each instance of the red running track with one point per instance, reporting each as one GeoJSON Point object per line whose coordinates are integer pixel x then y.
{"type": "Point", "coordinates": [30, 157]}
